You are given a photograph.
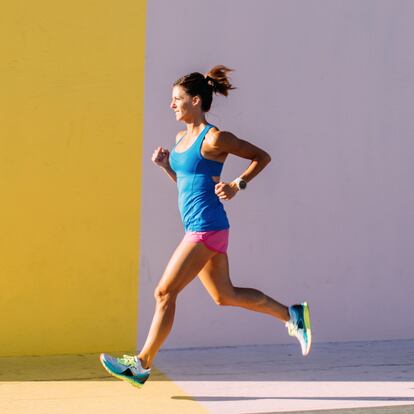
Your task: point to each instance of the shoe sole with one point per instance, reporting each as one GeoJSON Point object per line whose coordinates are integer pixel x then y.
{"type": "Point", "coordinates": [120, 376]}
{"type": "Point", "coordinates": [306, 317]}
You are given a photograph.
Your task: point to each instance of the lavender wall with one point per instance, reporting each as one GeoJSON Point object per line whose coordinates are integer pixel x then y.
{"type": "Point", "coordinates": [327, 88]}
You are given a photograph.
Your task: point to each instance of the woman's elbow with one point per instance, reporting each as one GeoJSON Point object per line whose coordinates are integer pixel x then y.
{"type": "Point", "coordinates": [262, 158]}
{"type": "Point", "coordinates": [266, 158]}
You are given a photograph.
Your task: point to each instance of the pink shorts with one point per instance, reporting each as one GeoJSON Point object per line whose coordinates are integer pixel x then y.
{"type": "Point", "coordinates": [216, 240]}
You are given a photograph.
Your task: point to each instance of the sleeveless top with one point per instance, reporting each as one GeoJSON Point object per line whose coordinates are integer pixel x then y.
{"type": "Point", "coordinates": [200, 208]}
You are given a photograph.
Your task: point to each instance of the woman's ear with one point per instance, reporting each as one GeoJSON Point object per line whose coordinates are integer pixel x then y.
{"type": "Point", "coordinates": [196, 100]}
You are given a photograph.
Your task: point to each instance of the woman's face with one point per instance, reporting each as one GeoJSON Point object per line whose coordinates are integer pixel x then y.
{"type": "Point", "coordinates": [184, 105]}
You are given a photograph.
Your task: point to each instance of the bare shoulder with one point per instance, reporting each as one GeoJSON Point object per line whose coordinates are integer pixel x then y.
{"type": "Point", "coordinates": [216, 138]}
{"type": "Point", "coordinates": [225, 142]}
{"type": "Point", "coordinates": [179, 135]}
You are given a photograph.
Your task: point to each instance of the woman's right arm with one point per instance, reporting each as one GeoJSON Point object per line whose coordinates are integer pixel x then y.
{"type": "Point", "coordinates": [161, 157]}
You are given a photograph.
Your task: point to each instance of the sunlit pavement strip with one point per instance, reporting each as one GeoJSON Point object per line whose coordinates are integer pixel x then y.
{"type": "Point", "coordinates": [270, 379]}
{"type": "Point", "coordinates": [253, 397]}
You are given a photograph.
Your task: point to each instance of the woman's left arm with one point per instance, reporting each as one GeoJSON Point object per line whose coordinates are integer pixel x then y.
{"type": "Point", "coordinates": [226, 142]}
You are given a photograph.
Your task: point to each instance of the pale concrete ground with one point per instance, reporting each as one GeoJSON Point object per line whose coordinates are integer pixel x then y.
{"type": "Point", "coordinates": [341, 378]}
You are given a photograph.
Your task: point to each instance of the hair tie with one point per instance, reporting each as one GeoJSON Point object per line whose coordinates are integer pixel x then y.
{"type": "Point", "coordinates": [209, 80]}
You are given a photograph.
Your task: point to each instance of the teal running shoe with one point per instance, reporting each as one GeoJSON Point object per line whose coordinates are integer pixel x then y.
{"type": "Point", "coordinates": [128, 368]}
{"type": "Point", "coordinates": [299, 326]}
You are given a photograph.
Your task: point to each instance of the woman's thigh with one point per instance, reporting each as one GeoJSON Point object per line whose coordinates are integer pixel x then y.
{"type": "Point", "coordinates": [215, 277]}
{"type": "Point", "coordinates": [186, 262]}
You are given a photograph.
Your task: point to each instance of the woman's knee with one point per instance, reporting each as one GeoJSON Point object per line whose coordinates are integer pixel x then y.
{"type": "Point", "coordinates": [224, 299]}
{"type": "Point", "coordinates": [164, 295]}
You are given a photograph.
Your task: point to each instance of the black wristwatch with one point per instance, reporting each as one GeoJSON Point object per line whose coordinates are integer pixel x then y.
{"type": "Point", "coordinates": [241, 184]}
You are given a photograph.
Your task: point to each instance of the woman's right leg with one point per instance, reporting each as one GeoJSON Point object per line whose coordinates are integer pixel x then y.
{"type": "Point", "coordinates": [216, 279]}
{"type": "Point", "coordinates": [184, 265]}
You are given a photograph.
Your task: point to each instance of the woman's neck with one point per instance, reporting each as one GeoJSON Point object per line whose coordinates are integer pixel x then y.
{"type": "Point", "coordinates": [195, 127]}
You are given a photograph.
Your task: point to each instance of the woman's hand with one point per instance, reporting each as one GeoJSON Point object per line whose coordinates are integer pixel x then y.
{"type": "Point", "coordinates": [226, 191]}
{"type": "Point", "coordinates": [161, 157]}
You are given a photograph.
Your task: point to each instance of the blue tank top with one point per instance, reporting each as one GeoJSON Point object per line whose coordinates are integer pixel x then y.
{"type": "Point", "coordinates": [200, 208]}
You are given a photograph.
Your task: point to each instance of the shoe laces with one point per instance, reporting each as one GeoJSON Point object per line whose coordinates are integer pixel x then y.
{"type": "Point", "coordinates": [291, 328]}
{"type": "Point", "coordinates": [292, 323]}
{"type": "Point", "coordinates": [128, 360]}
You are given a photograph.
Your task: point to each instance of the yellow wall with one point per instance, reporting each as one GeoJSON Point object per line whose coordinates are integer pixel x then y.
{"type": "Point", "coordinates": [72, 78]}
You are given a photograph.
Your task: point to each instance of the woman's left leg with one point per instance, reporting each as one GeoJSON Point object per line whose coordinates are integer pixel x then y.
{"type": "Point", "coordinates": [182, 268]}
{"type": "Point", "coordinates": [216, 279]}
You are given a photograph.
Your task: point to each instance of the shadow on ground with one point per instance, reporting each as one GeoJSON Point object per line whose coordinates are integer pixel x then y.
{"type": "Point", "coordinates": [228, 398]}
{"type": "Point", "coordinates": [343, 361]}
{"type": "Point", "coordinates": [349, 361]}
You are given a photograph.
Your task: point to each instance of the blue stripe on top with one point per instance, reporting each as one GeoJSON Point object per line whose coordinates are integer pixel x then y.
{"type": "Point", "coordinates": [200, 208]}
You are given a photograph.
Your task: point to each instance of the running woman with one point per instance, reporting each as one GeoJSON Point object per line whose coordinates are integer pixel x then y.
{"type": "Point", "coordinates": [195, 164]}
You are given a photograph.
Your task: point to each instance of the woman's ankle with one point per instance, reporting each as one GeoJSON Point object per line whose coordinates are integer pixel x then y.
{"type": "Point", "coordinates": [145, 362]}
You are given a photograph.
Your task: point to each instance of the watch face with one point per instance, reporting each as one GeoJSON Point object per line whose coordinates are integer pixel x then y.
{"type": "Point", "coordinates": [242, 184]}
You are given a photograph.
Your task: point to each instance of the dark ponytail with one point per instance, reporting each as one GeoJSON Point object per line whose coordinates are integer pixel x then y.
{"type": "Point", "coordinates": [216, 80]}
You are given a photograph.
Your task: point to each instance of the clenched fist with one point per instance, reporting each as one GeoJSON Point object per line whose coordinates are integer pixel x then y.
{"type": "Point", "coordinates": [226, 191]}
{"type": "Point", "coordinates": [161, 157]}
